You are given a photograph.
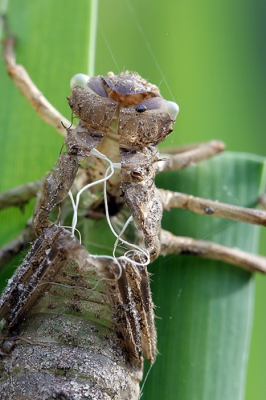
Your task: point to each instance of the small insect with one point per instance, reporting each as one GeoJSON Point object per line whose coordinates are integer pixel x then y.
{"type": "Point", "coordinates": [122, 118]}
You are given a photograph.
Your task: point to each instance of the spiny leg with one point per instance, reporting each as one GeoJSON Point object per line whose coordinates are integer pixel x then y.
{"type": "Point", "coordinates": [20, 195]}
{"type": "Point", "coordinates": [18, 245]}
{"type": "Point", "coordinates": [25, 85]}
{"type": "Point", "coordinates": [171, 244]}
{"type": "Point", "coordinates": [79, 142]}
{"type": "Point", "coordinates": [141, 196]}
{"type": "Point", "coordinates": [141, 128]}
{"type": "Point", "coordinates": [209, 207]}
{"type": "Point", "coordinates": [189, 155]}
{"type": "Point", "coordinates": [52, 189]}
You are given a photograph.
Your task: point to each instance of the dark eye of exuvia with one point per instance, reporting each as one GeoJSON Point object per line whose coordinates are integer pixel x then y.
{"type": "Point", "coordinates": [140, 108]}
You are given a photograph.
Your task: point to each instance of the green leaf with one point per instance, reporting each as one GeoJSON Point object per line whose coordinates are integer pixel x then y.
{"type": "Point", "coordinates": [205, 307]}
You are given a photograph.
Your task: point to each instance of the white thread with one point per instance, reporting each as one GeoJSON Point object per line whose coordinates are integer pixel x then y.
{"type": "Point", "coordinates": [70, 227]}
{"type": "Point", "coordinates": [143, 251]}
{"type": "Point", "coordinates": [121, 233]}
{"type": "Point", "coordinates": [145, 379]}
{"type": "Point", "coordinates": [76, 204]}
{"type": "Point", "coordinates": [109, 48]}
{"type": "Point", "coordinates": [108, 173]}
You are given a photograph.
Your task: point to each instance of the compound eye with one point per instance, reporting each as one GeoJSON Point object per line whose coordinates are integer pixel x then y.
{"type": "Point", "coordinates": [140, 108]}
{"type": "Point", "coordinates": [157, 103]}
{"type": "Point", "coordinates": [79, 80]}
{"type": "Point", "coordinates": [171, 108]}
{"type": "Point", "coordinates": [95, 83]}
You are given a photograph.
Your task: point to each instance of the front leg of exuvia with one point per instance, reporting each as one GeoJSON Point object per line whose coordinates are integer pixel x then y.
{"type": "Point", "coordinates": [41, 264]}
{"type": "Point", "coordinates": [79, 143]}
{"type": "Point", "coordinates": [139, 133]}
{"type": "Point", "coordinates": [138, 170]}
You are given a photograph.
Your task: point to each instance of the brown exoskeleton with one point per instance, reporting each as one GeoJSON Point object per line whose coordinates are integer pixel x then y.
{"type": "Point", "coordinates": [124, 117]}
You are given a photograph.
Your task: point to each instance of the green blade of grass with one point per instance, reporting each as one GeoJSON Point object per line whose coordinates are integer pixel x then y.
{"type": "Point", "coordinates": [205, 308]}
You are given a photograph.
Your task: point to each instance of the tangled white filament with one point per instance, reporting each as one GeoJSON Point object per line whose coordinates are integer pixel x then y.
{"type": "Point", "coordinates": [109, 172]}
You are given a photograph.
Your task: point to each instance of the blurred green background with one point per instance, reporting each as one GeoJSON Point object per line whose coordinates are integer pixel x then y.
{"type": "Point", "coordinates": [209, 57]}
